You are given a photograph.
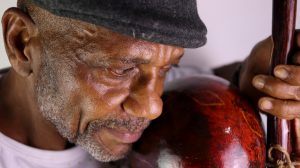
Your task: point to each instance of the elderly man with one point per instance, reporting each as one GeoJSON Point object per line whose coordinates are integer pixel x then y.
{"type": "Point", "coordinates": [91, 73]}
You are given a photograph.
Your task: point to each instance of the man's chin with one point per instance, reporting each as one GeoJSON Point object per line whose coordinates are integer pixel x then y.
{"type": "Point", "coordinates": [119, 153]}
{"type": "Point", "coordinates": [108, 143]}
{"type": "Point", "coordinates": [102, 151]}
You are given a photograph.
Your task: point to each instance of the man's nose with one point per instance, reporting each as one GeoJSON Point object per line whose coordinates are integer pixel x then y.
{"type": "Point", "coordinates": [145, 98]}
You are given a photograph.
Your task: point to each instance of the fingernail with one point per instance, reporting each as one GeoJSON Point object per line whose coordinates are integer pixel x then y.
{"type": "Point", "coordinates": [281, 73]}
{"type": "Point", "coordinates": [266, 105]}
{"type": "Point", "coordinates": [259, 82]}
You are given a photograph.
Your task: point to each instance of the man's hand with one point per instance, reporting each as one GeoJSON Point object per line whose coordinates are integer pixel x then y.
{"type": "Point", "coordinates": [279, 95]}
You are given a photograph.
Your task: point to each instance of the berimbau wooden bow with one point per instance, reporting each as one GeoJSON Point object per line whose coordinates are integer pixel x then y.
{"type": "Point", "coordinates": [282, 134]}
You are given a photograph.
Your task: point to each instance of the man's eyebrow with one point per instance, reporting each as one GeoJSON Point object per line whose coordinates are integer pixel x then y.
{"type": "Point", "coordinates": [133, 61]}
{"type": "Point", "coordinates": [110, 61]}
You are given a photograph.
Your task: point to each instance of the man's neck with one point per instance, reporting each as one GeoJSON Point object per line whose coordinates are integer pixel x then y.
{"type": "Point", "coordinates": [20, 118]}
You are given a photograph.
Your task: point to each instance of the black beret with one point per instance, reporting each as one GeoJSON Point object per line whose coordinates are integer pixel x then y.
{"type": "Point", "coordinates": [172, 22]}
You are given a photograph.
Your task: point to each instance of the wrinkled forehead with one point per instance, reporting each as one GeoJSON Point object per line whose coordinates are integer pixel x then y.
{"type": "Point", "coordinates": [67, 36]}
{"type": "Point", "coordinates": [61, 32]}
{"type": "Point", "coordinates": [64, 28]}
{"type": "Point", "coordinates": [171, 22]}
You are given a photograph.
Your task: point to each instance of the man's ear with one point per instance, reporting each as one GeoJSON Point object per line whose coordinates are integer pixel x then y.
{"type": "Point", "coordinates": [18, 30]}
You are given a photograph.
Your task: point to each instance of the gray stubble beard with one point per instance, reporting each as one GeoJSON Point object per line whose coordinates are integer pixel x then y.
{"type": "Point", "coordinates": [51, 102]}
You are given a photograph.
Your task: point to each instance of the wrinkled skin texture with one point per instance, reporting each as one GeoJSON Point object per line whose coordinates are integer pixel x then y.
{"type": "Point", "coordinates": [277, 95]}
{"type": "Point", "coordinates": [72, 81]}
{"type": "Point", "coordinates": [81, 83]}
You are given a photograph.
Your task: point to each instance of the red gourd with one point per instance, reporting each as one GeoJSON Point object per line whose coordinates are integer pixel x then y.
{"type": "Point", "coordinates": [205, 124]}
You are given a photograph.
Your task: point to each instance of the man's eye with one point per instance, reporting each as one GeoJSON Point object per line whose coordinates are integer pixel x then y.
{"type": "Point", "coordinates": [164, 70]}
{"type": "Point", "coordinates": [122, 72]}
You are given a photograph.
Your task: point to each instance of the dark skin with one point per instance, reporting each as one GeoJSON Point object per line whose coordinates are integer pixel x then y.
{"type": "Point", "coordinates": [280, 94]}
{"type": "Point", "coordinates": [277, 95]}
{"type": "Point", "coordinates": [101, 75]}
{"type": "Point", "coordinates": [15, 119]}
{"type": "Point", "coordinates": [131, 82]}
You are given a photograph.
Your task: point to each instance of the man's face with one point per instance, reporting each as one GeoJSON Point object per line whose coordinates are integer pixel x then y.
{"type": "Point", "coordinates": [100, 89]}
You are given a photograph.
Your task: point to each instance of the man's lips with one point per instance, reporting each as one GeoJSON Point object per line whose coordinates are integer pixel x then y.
{"type": "Point", "coordinates": [125, 137]}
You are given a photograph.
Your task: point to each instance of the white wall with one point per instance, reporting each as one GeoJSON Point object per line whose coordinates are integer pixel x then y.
{"type": "Point", "coordinates": [234, 26]}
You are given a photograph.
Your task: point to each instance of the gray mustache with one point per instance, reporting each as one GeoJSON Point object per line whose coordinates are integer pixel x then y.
{"type": "Point", "coordinates": [130, 125]}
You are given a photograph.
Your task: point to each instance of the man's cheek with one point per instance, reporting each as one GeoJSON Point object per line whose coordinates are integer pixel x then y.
{"type": "Point", "coordinates": [102, 99]}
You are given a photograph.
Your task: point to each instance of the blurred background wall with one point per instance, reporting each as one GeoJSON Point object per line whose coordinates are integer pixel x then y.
{"type": "Point", "coordinates": [234, 27]}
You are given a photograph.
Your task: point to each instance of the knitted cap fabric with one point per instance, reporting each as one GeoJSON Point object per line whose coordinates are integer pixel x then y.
{"type": "Point", "coordinates": [172, 22]}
